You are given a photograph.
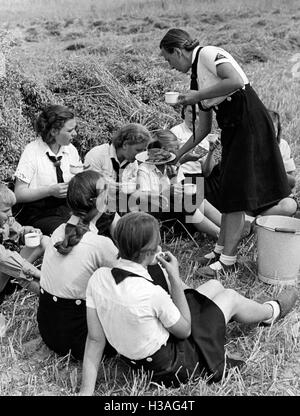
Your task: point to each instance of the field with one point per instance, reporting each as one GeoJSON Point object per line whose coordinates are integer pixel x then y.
{"type": "Point", "coordinates": [102, 58]}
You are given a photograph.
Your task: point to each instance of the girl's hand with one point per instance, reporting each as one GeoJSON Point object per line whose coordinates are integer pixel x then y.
{"type": "Point", "coordinates": [59, 190]}
{"type": "Point", "coordinates": [189, 157]}
{"type": "Point", "coordinates": [170, 263]}
{"type": "Point", "coordinates": [28, 229]}
{"type": "Point", "coordinates": [171, 171]}
{"type": "Point", "coordinates": [191, 97]}
{"type": "Point", "coordinates": [213, 142]}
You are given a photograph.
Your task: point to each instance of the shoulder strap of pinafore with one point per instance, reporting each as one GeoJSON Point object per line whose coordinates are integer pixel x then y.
{"type": "Point", "coordinates": [194, 83]}
{"type": "Point", "coordinates": [194, 86]}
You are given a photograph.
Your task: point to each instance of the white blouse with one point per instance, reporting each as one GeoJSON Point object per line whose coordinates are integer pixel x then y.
{"type": "Point", "coordinates": [36, 169]}
{"type": "Point", "coordinates": [134, 314]}
{"type": "Point", "coordinates": [209, 58]}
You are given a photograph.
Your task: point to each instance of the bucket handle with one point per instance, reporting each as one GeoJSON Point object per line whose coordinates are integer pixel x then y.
{"type": "Point", "coordinates": [285, 230]}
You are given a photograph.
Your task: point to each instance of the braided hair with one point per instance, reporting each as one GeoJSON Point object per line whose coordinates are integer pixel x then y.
{"type": "Point", "coordinates": [178, 38]}
{"type": "Point", "coordinates": [87, 191]}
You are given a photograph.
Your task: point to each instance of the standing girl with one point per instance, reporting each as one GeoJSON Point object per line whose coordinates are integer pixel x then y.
{"type": "Point", "coordinates": [252, 172]}
{"type": "Point", "coordinates": [175, 336]}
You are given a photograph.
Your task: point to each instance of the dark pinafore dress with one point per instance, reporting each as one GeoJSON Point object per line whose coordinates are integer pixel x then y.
{"type": "Point", "coordinates": [202, 354]}
{"type": "Point", "coordinates": [252, 174]}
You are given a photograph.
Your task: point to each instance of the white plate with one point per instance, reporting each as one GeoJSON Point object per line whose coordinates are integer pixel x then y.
{"type": "Point", "coordinates": [141, 157]}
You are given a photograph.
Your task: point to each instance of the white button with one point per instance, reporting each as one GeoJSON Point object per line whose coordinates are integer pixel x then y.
{"type": "Point", "coordinates": [78, 302]}
{"type": "Point", "coordinates": [133, 362]}
{"type": "Point", "coordinates": [42, 290]}
{"type": "Point", "coordinates": [55, 298]}
{"type": "Point", "coordinates": [149, 359]}
{"type": "Point", "coordinates": [229, 98]}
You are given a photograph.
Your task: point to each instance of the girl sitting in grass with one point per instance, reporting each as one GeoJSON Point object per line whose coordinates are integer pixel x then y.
{"type": "Point", "coordinates": [155, 178]}
{"type": "Point", "coordinates": [74, 253]}
{"type": "Point", "coordinates": [176, 335]}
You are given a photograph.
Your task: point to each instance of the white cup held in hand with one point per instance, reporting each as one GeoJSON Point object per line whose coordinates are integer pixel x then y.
{"type": "Point", "coordinates": [189, 188]}
{"type": "Point", "coordinates": [32, 239]}
{"type": "Point", "coordinates": [171, 97]}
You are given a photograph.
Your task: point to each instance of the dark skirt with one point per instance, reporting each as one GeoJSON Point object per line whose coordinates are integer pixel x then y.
{"type": "Point", "coordinates": [62, 324]}
{"type": "Point", "coordinates": [46, 214]}
{"type": "Point", "coordinates": [202, 354]}
{"type": "Point", "coordinates": [252, 171]}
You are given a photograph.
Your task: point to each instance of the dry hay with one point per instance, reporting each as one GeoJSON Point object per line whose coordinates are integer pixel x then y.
{"type": "Point", "coordinates": [102, 103]}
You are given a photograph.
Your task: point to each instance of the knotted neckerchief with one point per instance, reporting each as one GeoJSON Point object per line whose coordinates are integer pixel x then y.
{"type": "Point", "coordinates": [117, 168]}
{"type": "Point", "coordinates": [157, 276]}
{"type": "Point", "coordinates": [56, 162]}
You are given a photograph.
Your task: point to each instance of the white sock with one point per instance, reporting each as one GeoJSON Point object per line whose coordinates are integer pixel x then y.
{"type": "Point", "coordinates": [276, 311]}
{"type": "Point", "coordinates": [218, 249]}
{"type": "Point", "coordinates": [227, 260]}
{"type": "Point", "coordinates": [210, 256]}
{"type": "Point", "coordinates": [249, 218]}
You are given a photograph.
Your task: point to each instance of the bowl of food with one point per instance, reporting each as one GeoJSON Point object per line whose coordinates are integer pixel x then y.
{"type": "Point", "coordinates": [155, 156]}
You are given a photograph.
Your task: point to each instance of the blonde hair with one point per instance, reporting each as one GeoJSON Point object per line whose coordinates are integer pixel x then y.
{"type": "Point", "coordinates": [165, 138]}
{"type": "Point", "coordinates": [7, 197]}
{"type": "Point", "coordinates": [131, 134]}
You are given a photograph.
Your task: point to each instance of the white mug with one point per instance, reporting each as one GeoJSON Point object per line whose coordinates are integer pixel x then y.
{"type": "Point", "coordinates": [171, 97]}
{"type": "Point", "coordinates": [32, 239]}
{"type": "Point", "coordinates": [189, 188]}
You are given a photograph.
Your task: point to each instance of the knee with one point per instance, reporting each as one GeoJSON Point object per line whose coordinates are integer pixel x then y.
{"type": "Point", "coordinates": [232, 295]}
{"type": "Point", "coordinates": [288, 206]}
{"type": "Point", "coordinates": [216, 285]}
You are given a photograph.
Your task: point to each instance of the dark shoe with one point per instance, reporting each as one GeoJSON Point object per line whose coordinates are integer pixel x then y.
{"type": "Point", "coordinates": [233, 362]}
{"type": "Point", "coordinates": [286, 299]}
{"type": "Point", "coordinates": [203, 261]}
{"type": "Point", "coordinates": [210, 273]}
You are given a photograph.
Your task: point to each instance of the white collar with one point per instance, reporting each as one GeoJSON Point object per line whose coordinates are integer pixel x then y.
{"type": "Point", "coordinates": [133, 267]}
{"type": "Point", "coordinates": [74, 220]}
{"type": "Point", "coordinates": [46, 148]}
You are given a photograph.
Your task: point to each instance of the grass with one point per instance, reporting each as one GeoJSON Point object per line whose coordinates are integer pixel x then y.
{"type": "Point", "coordinates": [119, 57]}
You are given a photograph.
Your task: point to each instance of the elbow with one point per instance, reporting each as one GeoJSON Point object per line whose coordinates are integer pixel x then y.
{"type": "Point", "coordinates": [186, 332]}
{"type": "Point", "coordinates": [237, 83]}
